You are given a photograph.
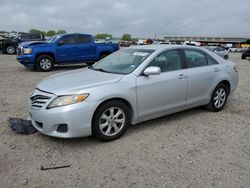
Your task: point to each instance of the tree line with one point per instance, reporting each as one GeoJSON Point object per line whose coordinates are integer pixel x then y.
{"type": "Point", "coordinates": [49, 33]}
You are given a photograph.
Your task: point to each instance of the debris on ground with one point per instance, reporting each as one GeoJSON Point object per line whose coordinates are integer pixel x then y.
{"type": "Point", "coordinates": [21, 126]}
{"type": "Point", "coordinates": [53, 168]}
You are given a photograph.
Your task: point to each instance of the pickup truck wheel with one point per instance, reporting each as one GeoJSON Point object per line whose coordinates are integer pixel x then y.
{"type": "Point", "coordinates": [11, 50]}
{"type": "Point", "coordinates": [104, 55]}
{"type": "Point", "coordinates": [243, 57]}
{"type": "Point", "coordinates": [44, 63]}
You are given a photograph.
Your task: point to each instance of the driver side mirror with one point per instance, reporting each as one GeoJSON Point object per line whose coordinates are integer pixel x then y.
{"type": "Point", "coordinates": [153, 70]}
{"type": "Point", "coordinates": [60, 43]}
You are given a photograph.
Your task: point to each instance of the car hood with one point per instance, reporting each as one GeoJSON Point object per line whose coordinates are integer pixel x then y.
{"type": "Point", "coordinates": [72, 82]}
{"type": "Point", "coordinates": [32, 43]}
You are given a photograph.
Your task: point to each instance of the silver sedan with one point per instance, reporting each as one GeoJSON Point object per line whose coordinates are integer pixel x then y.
{"type": "Point", "coordinates": [131, 86]}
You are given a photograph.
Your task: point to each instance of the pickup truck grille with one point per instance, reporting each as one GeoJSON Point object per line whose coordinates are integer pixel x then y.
{"type": "Point", "coordinates": [19, 51]}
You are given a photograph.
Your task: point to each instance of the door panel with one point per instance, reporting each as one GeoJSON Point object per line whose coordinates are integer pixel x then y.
{"type": "Point", "coordinates": [159, 93]}
{"type": "Point", "coordinates": [86, 50]}
{"type": "Point", "coordinates": [68, 51]}
{"type": "Point", "coordinates": [200, 82]}
{"type": "Point", "coordinates": [200, 75]}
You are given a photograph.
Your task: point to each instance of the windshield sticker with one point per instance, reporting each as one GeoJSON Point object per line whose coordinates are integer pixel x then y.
{"type": "Point", "coordinates": [143, 54]}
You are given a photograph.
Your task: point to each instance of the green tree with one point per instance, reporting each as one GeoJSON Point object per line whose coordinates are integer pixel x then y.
{"type": "Point", "coordinates": [61, 31]}
{"type": "Point", "coordinates": [103, 36]}
{"type": "Point", "coordinates": [51, 33]}
{"type": "Point", "coordinates": [126, 37]}
{"type": "Point", "coordinates": [36, 31]}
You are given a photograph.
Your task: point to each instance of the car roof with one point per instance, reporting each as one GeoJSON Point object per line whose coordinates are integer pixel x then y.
{"type": "Point", "coordinates": [159, 47]}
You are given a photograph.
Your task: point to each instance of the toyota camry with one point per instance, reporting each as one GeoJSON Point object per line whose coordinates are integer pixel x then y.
{"type": "Point", "coordinates": [132, 85]}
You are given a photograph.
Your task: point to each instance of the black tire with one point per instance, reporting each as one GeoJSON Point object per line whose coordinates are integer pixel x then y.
{"type": "Point", "coordinates": [104, 55]}
{"type": "Point", "coordinates": [103, 109]}
{"type": "Point", "coordinates": [44, 63]}
{"type": "Point", "coordinates": [212, 105]}
{"type": "Point", "coordinates": [243, 57]}
{"type": "Point", "coordinates": [226, 57]}
{"type": "Point", "coordinates": [11, 50]}
{"type": "Point", "coordinates": [90, 63]}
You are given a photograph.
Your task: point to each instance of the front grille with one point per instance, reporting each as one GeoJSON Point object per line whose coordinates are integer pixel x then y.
{"type": "Point", "coordinates": [38, 101]}
{"type": "Point", "coordinates": [19, 51]}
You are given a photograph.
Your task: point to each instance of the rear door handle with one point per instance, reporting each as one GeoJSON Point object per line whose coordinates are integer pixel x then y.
{"type": "Point", "coordinates": [181, 76]}
{"type": "Point", "coordinates": [216, 70]}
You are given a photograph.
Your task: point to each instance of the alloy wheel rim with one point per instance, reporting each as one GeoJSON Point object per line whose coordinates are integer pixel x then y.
{"type": "Point", "coordinates": [112, 121]}
{"type": "Point", "coordinates": [45, 64]}
{"type": "Point", "coordinates": [219, 98]}
{"type": "Point", "coordinates": [10, 50]}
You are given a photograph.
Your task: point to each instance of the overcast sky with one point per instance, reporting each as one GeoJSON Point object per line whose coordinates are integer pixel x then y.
{"type": "Point", "coordinates": [140, 18]}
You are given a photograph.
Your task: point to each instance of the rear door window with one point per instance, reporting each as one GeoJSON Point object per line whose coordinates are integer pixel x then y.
{"type": "Point", "coordinates": [83, 39]}
{"type": "Point", "coordinates": [211, 61]}
{"type": "Point", "coordinates": [195, 58]}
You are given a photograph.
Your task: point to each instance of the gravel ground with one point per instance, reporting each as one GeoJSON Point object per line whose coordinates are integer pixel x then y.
{"type": "Point", "coordinates": [195, 148]}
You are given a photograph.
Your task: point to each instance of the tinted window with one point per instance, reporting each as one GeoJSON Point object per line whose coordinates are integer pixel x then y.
{"type": "Point", "coordinates": [211, 61]}
{"type": "Point", "coordinates": [168, 61]}
{"type": "Point", "coordinates": [195, 58]}
{"type": "Point", "coordinates": [83, 39]}
{"type": "Point", "coordinates": [69, 39]}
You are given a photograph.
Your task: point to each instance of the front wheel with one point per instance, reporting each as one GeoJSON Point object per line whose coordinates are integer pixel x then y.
{"type": "Point", "coordinates": [44, 63]}
{"type": "Point", "coordinates": [218, 98]}
{"type": "Point", "coordinates": [11, 50]}
{"type": "Point", "coordinates": [110, 121]}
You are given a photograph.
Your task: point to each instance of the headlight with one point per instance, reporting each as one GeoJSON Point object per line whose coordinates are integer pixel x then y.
{"type": "Point", "coordinates": [27, 50]}
{"type": "Point", "coordinates": [67, 100]}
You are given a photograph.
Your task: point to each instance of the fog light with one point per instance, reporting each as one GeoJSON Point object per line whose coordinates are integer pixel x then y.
{"type": "Point", "coordinates": [62, 128]}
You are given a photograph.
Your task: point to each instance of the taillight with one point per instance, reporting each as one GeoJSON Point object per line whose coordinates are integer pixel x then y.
{"type": "Point", "coordinates": [235, 69]}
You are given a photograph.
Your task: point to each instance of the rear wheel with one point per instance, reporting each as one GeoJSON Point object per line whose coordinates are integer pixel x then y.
{"type": "Point", "coordinates": [218, 98]}
{"type": "Point", "coordinates": [44, 63]}
{"type": "Point", "coordinates": [110, 120]}
{"type": "Point", "coordinates": [11, 50]}
{"type": "Point", "coordinates": [243, 57]}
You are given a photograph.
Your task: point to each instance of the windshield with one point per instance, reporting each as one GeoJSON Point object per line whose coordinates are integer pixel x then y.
{"type": "Point", "coordinates": [123, 61]}
{"type": "Point", "coordinates": [52, 39]}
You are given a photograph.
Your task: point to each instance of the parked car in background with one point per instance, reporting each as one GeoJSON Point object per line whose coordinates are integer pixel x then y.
{"type": "Point", "coordinates": [63, 49]}
{"type": "Point", "coordinates": [132, 85]}
{"type": "Point", "coordinates": [9, 45]}
{"type": "Point", "coordinates": [246, 53]}
{"type": "Point", "coordinates": [220, 51]}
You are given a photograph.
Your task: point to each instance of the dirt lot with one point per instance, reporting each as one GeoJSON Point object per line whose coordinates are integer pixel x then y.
{"type": "Point", "coordinates": [195, 148]}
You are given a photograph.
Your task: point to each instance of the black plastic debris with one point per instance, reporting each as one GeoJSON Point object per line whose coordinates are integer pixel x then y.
{"type": "Point", "coordinates": [53, 168]}
{"type": "Point", "coordinates": [21, 126]}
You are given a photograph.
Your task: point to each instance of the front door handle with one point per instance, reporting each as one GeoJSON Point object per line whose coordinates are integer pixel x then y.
{"type": "Point", "coordinates": [181, 76]}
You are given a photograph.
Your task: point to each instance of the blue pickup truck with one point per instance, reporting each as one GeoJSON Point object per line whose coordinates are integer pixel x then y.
{"type": "Point", "coordinates": [62, 49]}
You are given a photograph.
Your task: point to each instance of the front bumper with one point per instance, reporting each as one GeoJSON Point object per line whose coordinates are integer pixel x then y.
{"type": "Point", "coordinates": [26, 60]}
{"type": "Point", "coordinates": [76, 117]}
